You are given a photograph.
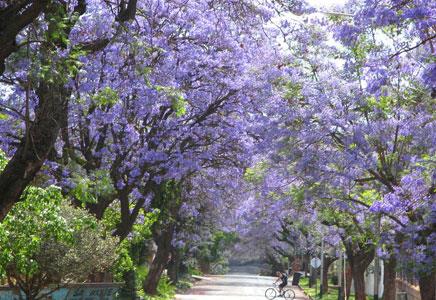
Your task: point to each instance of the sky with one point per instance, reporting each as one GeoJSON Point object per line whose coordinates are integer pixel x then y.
{"type": "Point", "coordinates": [326, 3]}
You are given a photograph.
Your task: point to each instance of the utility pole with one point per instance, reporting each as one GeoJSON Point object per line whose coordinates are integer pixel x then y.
{"type": "Point", "coordinates": [376, 277]}
{"type": "Point", "coordinates": [340, 273]}
{"type": "Point", "coordinates": [322, 268]}
{"type": "Point", "coordinates": [345, 276]}
{"type": "Point", "coordinates": [377, 263]}
{"type": "Point", "coordinates": [287, 267]}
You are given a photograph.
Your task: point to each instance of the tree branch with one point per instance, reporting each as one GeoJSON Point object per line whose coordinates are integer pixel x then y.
{"type": "Point", "coordinates": [429, 39]}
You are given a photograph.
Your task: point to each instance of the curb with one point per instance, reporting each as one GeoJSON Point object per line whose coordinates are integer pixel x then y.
{"type": "Point", "coordinates": [196, 277]}
{"type": "Point", "coordinates": [304, 292]}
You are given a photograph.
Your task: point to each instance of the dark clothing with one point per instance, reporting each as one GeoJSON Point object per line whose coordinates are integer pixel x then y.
{"type": "Point", "coordinates": [284, 279]}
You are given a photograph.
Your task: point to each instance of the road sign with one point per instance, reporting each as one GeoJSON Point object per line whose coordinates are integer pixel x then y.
{"type": "Point", "coordinates": [315, 262]}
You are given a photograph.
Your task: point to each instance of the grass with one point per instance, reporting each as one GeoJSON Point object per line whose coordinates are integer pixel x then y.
{"type": "Point", "coordinates": [314, 292]}
{"type": "Point", "coordinates": [331, 295]}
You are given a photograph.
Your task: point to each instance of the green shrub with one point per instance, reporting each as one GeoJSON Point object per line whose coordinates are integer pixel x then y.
{"type": "Point", "coordinates": [193, 271]}
{"type": "Point", "coordinates": [44, 241]}
{"type": "Point", "coordinates": [166, 291]}
{"type": "Point", "coordinates": [183, 285]}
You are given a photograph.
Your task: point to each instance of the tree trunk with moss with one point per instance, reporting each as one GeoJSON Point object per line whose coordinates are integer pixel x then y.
{"type": "Point", "coordinates": [167, 198]}
{"type": "Point", "coordinates": [160, 261]}
{"type": "Point", "coordinates": [174, 266]}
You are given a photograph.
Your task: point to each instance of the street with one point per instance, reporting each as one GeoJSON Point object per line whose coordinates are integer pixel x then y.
{"type": "Point", "coordinates": [234, 287]}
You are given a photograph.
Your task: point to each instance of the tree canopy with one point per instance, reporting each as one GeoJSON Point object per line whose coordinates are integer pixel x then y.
{"type": "Point", "coordinates": [195, 122]}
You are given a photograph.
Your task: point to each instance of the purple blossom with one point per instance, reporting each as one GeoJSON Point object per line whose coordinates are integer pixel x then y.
{"type": "Point", "coordinates": [348, 34]}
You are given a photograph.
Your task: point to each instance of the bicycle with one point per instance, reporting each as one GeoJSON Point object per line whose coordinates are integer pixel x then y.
{"type": "Point", "coordinates": [273, 292]}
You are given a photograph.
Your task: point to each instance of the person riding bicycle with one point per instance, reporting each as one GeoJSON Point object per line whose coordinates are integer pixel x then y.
{"type": "Point", "coordinates": [283, 277]}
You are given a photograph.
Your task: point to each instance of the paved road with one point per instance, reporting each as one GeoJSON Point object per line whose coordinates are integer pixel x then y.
{"type": "Point", "coordinates": [233, 287]}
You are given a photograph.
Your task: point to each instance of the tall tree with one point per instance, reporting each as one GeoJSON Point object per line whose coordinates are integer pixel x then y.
{"type": "Point", "coordinates": [44, 89]}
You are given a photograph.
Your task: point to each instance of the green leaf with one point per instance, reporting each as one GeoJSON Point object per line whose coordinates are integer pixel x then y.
{"type": "Point", "coordinates": [106, 97]}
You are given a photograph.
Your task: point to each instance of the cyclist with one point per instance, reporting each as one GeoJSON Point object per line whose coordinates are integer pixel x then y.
{"type": "Point", "coordinates": [283, 277]}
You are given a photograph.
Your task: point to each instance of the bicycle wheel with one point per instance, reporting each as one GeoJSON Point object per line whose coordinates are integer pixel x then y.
{"type": "Point", "coordinates": [289, 294]}
{"type": "Point", "coordinates": [270, 293]}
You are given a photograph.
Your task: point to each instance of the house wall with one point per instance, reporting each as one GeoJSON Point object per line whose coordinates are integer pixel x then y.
{"type": "Point", "coordinates": [369, 282]}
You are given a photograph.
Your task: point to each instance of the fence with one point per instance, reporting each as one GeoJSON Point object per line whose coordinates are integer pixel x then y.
{"type": "Point", "coordinates": [85, 291]}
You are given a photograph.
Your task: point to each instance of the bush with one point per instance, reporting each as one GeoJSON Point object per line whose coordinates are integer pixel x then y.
{"type": "Point", "coordinates": [46, 241]}
{"type": "Point", "coordinates": [183, 285]}
{"type": "Point", "coordinates": [220, 267]}
{"type": "Point", "coordinates": [192, 268]}
{"type": "Point", "coordinates": [195, 272]}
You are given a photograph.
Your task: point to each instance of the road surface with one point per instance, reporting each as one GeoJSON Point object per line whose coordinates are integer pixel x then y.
{"type": "Point", "coordinates": [233, 287]}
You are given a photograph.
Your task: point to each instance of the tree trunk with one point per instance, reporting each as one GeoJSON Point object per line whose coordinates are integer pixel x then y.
{"type": "Point", "coordinates": [174, 266]}
{"type": "Point", "coordinates": [52, 103]}
{"type": "Point", "coordinates": [29, 297]}
{"type": "Point", "coordinates": [31, 154]}
{"type": "Point", "coordinates": [359, 283]}
{"type": "Point", "coordinates": [128, 215]}
{"type": "Point", "coordinates": [328, 260]}
{"type": "Point", "coordinates": [389, 279]}
{"type": "Point", "coordinates": [167, 198]}
{"type": "Point", "coordinates": [324, 279]}
{"type": "Point", "coordinates": [312, 276]}
{"type": "Point", "coordinates": [359, 262]}
{"type": "Point", "coordinates": [306, 263]}
{"type": "Point", "coordinates": [161, 259]}
{"type": "Point", "coordinates": [348, 278]}
{"type": "Point", "coordinates": [156, 269]}
{"type": "Point", "coordinates": [52, 107]}
{"type": "Point", "coordinates": [427, 286]}
{"type": "Point", "coordinates": [22, 13]}
{"type": "Point", "coordinates": [31, 294]}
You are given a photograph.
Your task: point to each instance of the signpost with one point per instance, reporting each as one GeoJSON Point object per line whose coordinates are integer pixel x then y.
{"type": "Point", "coordinates": [322, 268]}
{"type": "Point", "coordinates": [377, 264]}
{"type": "Point", "coordinates": [315, 263]}
{"type": "Point", "coordinates": [340, 274]}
